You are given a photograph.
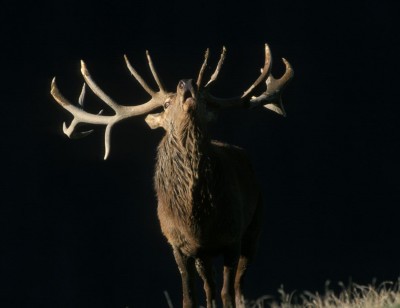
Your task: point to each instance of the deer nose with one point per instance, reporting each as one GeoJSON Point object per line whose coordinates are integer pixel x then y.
{"type": "Point", "coordinates": [186, 88]}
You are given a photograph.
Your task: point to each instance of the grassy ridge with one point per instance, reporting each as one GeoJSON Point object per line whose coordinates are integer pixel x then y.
{"type": "Point", "coordinates": [386, 295]}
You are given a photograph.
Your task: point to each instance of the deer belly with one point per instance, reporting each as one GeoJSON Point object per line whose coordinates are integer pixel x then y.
{"type": "Point", "coordinates": [192, 238]}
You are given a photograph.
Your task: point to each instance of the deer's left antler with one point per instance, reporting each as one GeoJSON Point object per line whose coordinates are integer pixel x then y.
{"type": "Point", "coordinates": [270, 99]}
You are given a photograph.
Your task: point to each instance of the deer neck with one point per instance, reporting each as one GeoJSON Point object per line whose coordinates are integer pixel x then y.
{"type": "Point", "coordinates": [181, 173]}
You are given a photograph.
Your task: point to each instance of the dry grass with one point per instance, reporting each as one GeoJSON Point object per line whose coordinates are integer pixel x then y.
{"type": "Point", "coordinates": [386, 295]}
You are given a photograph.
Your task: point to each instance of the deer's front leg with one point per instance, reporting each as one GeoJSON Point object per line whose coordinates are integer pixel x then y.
{"type": "Point", "coordinates": [186, 267]}
{"type": "Point", "coordinates": [204, 268]}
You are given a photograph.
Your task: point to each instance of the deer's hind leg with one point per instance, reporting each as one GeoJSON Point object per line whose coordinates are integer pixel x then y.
{"type": "Point", "coordinates": [239, 279]}
{"type": "Point", "coordinates": [247, 253]}
{"type": "Point", "coordinates": [231, 257]}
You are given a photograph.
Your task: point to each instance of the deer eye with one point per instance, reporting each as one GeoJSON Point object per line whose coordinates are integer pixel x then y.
{"type": "Point", "coordinates": [166, 104]}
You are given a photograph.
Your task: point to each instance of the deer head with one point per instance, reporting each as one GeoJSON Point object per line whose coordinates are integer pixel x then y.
{"type": "Point", "coordinates": [192, 101]}
{"type": "Point", "coordinates": [182, 106]}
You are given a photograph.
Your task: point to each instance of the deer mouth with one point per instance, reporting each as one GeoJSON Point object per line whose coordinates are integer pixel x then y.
{"type": "Point", "coordinates": [188, 99]}
{"type": "Point", "coordinates": [189, 104]}
{"type": "Point", "coordinates": [187, 94]}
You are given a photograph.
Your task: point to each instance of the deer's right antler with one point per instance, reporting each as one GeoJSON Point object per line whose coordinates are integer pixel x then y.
{"type": "Point", "coordinates": [121, 112]}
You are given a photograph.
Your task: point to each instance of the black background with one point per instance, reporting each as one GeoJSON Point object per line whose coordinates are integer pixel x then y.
{"type": "Point", "coordinates": [77, 231]}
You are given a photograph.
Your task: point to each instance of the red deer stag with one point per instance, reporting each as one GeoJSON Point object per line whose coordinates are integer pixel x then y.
{"type": "Point", "coordinates": [209, 202]}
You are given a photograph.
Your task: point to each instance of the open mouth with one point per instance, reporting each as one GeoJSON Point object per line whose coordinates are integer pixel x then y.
{"type": "Point", "coordinates": [187, 95]}
{"type": "Point", "coordinates": [189, 101]}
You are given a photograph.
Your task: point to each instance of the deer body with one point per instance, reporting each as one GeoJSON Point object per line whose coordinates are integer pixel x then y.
{"type": "Point", "coordinates": [219, 208]}
{"type": "Point", "coordinates": [209, 198]}
{"type": "Point", "coordinates": [209, 202]}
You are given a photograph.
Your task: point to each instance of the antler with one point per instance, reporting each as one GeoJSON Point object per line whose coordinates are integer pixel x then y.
{"type": "Point", "coordinates": [216, 72]}
{"type": "Point", "coordinates": [271, 98]}
{"type": "Point", "coordinates": [121, 112]}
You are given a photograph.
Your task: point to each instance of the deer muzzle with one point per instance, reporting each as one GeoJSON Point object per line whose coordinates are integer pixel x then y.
{"type": "Point", "coordinates": [187, 94]}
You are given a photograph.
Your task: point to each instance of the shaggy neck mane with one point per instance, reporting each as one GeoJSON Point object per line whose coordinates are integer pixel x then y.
{"type": "Point", "coordinates": [183, 169]}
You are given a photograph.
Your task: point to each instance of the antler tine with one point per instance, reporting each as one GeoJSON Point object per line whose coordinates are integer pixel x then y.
{"type": "Point", "coordinates": [139, 78]}
{"type": "Point", "coordinates": [264, 73]}
{"type": "Point", "coordinates": [81, 116]}
{"type": "Point", "coordinates": [218, 68]}
{"type": "Point", "coordinates": [66, 104]}
{"type": "Point", "coordinates": [271, 98]}
{"type": "Point", "coordinates": [154, 72]}
{"type": "Point", "coordinates": [243, 99]}
{"type": "Point", "coordinates": [95, 88]}
{"type": "Point", "coordinates": [275, 85]}
{"type": "Point", "coordinates": [203, 67]}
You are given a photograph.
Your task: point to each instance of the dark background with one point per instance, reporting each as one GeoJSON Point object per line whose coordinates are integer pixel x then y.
{"type": "Point", "coordinates": [77, 231]}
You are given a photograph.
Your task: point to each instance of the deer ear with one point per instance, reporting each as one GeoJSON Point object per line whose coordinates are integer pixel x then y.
{"type": "Point", "coordinates": [155, 120]}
